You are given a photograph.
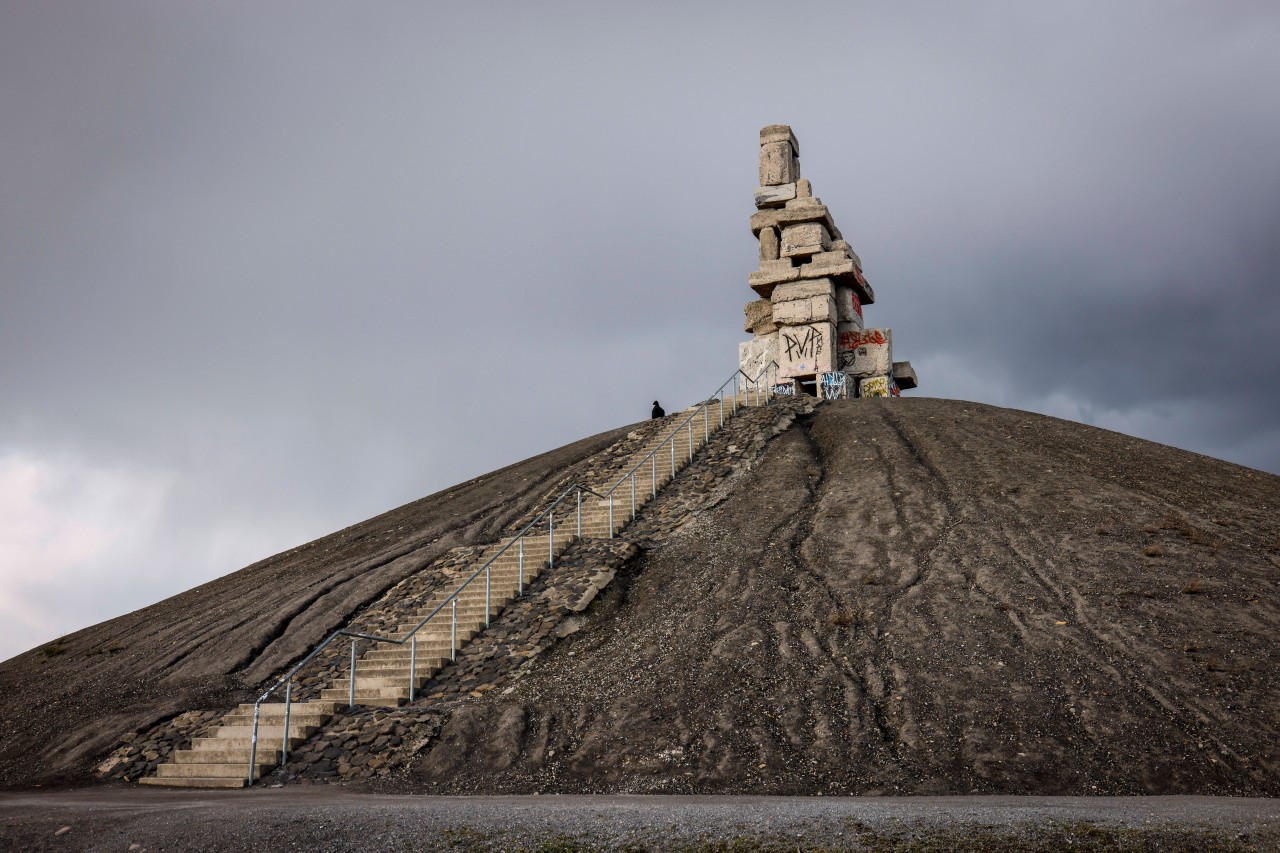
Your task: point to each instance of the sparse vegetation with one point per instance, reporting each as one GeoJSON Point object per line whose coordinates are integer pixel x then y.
{"type": "Point", "coordinates": [1153, 551]}
{"type": "Point", "coordinates": [54, 649]}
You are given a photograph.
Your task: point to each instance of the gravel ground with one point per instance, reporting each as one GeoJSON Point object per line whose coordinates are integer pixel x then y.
{"type": "Point", "coordinates": [329, 819]}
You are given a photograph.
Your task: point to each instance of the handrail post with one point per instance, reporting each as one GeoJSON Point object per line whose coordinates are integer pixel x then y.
{"type": "Point", "coordinates": [673, 460]}
{"type": "Point", "coordinates": [611, 513]}
{"type": "Point", "coordinates": [352, 690]}
{"type": "Point", "coordinates": [253, 743]}
{"type": "Point", "coordinates": [522, 565]}
{"type": "Point", "coordinates": [691, 441]}
{"type": "Point", "coordinates": [735, 393]}
{"type": "Point", "coordinates": [453, 632]}
{"type": "Point", "coordinates": [706, 424]}
{"type": "Point", "coordinates": [633, 496]}
{"type": "Point", "coordinates": [579, 493]}
{"type": "Point", "coordinates": [413, 665]}
{"type": "Point", "coordinates": [284, 742]}
{"type": "Point", "coordinates": [488, 576]}
{"type": "Point", "coordinates": [653, 473]}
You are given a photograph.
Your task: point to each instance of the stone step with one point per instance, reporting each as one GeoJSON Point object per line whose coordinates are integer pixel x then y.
{"type": "Point", "coordinates": [373, 701]}
{"type": "Point", "coordinates": [195, 781]}
{"type": "Point", "coordinates": [277, 708]}
{"type": "Point", "coordinates": [225, 756]}
{"type": "Point", "coordinates": [242, 744]}
{"type": "Point", "coordinates": [296, 718]}
{"type": "Point", "coordinates": [276, 732]}
{"type": "Point", "coordinates": [234, 770]}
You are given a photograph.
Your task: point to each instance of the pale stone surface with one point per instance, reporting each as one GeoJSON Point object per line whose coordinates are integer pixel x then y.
{"type": "Point", "coordinates": [801, 290]}
{"type": "Point", "coordinates": [754, 355]}
{"type": "Point", "coordinates": [875, 386]}
{"type": "Point", "coordinates": [775, 196]}
{"type": "Point", "coordinates": [797, 312]}
{"type": "Point", "coordinates": [868, 352]}
{"type": "Point", "coordinates": [848, 305]}
{"type": "Point", "coordinates": [772, 273]}
{"type": "Point", "coordinates": [904, 375]}
{"type": "Point", "coordinates": [778, 164]}
{"type": "Point", "coordinates": [769, 244]}
{"type": "Point", "coordinates": [805, 239]}
{"type": "Point", "coordinates": [779, 133]}
{"type": "Point", "coordinates": [805, 350]}
{"type": "Point", "coordinates": [759, 317]}
{"type": "Point", "coordinates": [843, 246]}
{"type": "Point", "coordinates": [763, 219]}
{"type": "Point", "coordinates": [804, 189]}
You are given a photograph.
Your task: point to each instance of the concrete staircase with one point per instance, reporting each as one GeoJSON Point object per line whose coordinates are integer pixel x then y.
{"type": "Point", "coordinates": [383, 671]}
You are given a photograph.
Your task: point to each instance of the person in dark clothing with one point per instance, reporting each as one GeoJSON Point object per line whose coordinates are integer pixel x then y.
{"type": "Point", "coordinates": [657, 410]}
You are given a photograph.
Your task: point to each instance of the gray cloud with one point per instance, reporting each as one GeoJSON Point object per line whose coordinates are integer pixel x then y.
{"type": "Point", "coordinates": [274, 268]}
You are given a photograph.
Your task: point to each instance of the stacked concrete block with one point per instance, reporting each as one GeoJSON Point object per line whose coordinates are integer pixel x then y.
{"type": "Point", "coordinates": [809, 317]}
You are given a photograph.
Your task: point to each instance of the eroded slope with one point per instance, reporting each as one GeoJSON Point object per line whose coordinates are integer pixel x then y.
{"type": "Point", "coordinates": [919, 596]}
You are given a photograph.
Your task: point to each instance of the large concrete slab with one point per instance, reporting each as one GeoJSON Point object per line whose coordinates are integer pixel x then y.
{"type": "Point", "coordinates": [806, 350]}
{"type": "Point", "coordinates": [866, 353]}
{"type": "Point", "coordinates": [797, 312]}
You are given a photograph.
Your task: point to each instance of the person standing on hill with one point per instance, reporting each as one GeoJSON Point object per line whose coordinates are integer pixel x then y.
{"type": "Point", "coordinates": [657, 410]}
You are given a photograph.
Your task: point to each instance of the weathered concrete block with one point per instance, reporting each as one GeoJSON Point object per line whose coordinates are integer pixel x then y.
{"type": "Point", "coordinates": [778, 164]}
{"type": "Point", "coordinates": [801, 290]}
{"type": "Point", "coordinates": [754, 355]}
{"type": "Point", "coordinates": [804, 189]}
{"type": "Point", "coordinates": [779, 133]}
{"type": "Point", "coordinates": [805, 350]}
{"type": "Point", "coordinates": [797, 312]}
{"type": "Point", "coordinates": [904, 375]}
{"type": "Point", "coordinates": [843, 246]}
{"type": "Point", "coordinates": [775, 196]}
{"type": "Point", "coordinates": [804, 240]}
{"type": "Point", "coordinates": [848, 305]}
{"type": "Point", "coordinates": [759, 317]}
{"type": "Point", "coordinates": [769, 244]}
{"type": "Point", "coordinates": [875, 386]}
{"type": "Point", "coordinates": [770, 274]}
{"type": "Point", "coordinates": [865, 353]}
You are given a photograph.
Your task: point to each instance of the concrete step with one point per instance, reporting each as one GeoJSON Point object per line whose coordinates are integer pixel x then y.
{"type": "Point", "coordinates": [241, 744]}
{"type": "Point", "coordinates": [374, 701]}
{"type": "Point", "coordinates": [195, 782]}
{"type": "Point", "coordinates": [275, 732]}
{"type": "Point", "coordinates": [303, 718]}
{"type": "Point", "coordinates": [224, 756]}
{"type": "Point", "coordinates": [269, 709]}
{"type": "Point", "coordinates": [235, 770]}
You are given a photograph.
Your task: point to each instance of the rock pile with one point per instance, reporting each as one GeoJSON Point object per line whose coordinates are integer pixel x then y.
{"type": "Point", "coordinates": [812, 291]}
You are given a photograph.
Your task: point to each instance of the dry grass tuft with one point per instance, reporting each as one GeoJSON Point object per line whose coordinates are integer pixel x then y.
{"type": "Point", "coordinates": [1153, 551]}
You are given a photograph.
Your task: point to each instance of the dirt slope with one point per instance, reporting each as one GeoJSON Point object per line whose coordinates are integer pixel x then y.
{"type": "Point", "coordinates": [63, 704]}
{"type": "Point", "coordinates": [919, 596]}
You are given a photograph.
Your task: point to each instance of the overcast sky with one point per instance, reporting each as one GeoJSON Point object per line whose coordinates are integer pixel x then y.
{"type": "Point", "coordinates": [268, 269]}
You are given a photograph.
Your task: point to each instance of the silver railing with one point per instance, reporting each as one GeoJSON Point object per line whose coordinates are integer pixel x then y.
{"type": "Point", "coordinates": [757, 389]}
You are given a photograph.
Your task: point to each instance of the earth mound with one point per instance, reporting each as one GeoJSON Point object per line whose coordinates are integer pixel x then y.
{"type": "Point", "coordinates": [886, 596]}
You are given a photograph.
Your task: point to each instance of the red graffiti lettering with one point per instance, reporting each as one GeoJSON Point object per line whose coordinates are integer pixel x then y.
{"type": "Point", "coordinates": [853, 340]}
{"type": "Point", "coordinates": [857, 303]}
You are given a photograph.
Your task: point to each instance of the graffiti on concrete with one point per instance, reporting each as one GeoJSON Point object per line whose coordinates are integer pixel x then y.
{"type": "Point", "coordinates": [876, 386]}
{"type": "Point", "coordinates": [803, 343]}
{"type": "Point", "coordinates": [851, 340]}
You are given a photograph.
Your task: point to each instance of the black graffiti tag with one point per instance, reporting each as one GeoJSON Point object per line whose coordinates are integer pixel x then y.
{"type": "Point", "coordinates": [809, 346]}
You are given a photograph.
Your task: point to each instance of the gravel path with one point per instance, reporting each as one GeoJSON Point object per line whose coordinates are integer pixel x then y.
{"type": "Point", "coordinates": [327, 819]}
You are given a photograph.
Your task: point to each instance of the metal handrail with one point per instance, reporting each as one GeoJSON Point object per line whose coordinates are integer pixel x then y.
{"type": "Point", "coordinates": [577, 489]}
{"type": "Point", "coordinates": [651, 456]}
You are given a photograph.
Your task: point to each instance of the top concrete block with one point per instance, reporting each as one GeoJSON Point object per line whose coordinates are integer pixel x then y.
{"type": "Point", "coordinates": [779, 133]}
{"type": "Point", "coordinates": [778, 164]}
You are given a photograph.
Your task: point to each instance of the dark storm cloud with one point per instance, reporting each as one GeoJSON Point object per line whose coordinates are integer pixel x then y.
{"type": "Point", "coordinates": [271, 268]}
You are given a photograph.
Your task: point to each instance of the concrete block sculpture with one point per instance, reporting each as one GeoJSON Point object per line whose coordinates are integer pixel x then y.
{"type": "Point", "coordinates": [809, 314]}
